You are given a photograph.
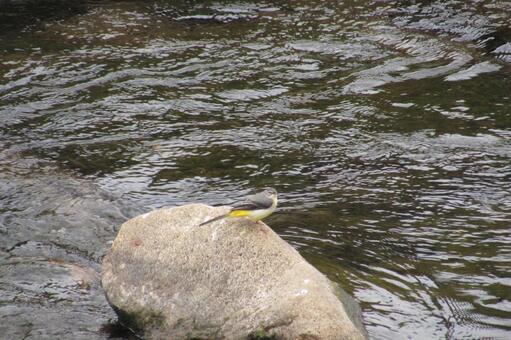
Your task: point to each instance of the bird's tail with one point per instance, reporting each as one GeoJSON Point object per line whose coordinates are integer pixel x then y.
{"type": "Point", "coordinates": [214, 219]}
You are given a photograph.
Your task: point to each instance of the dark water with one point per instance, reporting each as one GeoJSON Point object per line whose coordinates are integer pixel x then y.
{"type": "Point", "coordinates": [385, 127]}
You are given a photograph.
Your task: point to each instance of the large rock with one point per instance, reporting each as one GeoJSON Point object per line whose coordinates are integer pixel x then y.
{"type": "Point", "coordinates": [166, 277]}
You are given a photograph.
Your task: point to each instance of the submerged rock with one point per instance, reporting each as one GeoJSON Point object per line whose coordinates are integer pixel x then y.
{"type": "Point", "coordinates": [166, 277]}
{"type": "Point", "coordinates": [50, 292]}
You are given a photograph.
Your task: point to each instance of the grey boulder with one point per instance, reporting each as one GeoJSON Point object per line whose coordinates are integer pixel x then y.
{"type": "Point", "coordinates": [168, 278]}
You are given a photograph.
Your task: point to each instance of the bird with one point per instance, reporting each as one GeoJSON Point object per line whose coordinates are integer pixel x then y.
{"type": "Point", "coordinates": [255, 207]}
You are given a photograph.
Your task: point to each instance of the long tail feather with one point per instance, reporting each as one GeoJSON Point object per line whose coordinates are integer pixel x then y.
{"type": "Point", "coordinates": [214, 219]}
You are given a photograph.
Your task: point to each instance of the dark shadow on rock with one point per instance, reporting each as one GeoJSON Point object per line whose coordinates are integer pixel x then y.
{"type": "Point", "coordinates": [115, 330]}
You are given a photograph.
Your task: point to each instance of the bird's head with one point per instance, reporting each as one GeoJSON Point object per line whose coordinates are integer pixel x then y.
{"type": "Point", "coordinates": [271, 192]}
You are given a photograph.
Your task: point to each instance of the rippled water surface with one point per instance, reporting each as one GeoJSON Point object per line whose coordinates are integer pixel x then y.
{"type": "Point", "coordinates": [385, 126]}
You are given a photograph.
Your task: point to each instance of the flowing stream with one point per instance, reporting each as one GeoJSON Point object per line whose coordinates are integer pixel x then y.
{"type": "Point", "coordinates": [385, 126]}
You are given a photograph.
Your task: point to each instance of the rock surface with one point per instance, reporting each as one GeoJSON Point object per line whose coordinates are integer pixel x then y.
{"type": "Point", "coordinates": [166, 277]}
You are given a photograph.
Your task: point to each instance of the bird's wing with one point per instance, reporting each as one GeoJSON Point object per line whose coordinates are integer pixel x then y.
{"type": "Point", "coordinates": [254, 202]}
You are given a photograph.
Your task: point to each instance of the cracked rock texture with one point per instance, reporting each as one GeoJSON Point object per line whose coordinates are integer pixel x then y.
{"type": "Point", "coordinates": [166, 277]}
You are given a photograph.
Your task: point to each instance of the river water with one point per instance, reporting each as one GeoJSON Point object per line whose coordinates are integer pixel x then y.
{"type": "Point", "coordinates": [385, 127]}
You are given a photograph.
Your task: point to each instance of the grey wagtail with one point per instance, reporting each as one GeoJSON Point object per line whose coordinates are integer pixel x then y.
{"type": "Point", "coordinates": [256, 207]}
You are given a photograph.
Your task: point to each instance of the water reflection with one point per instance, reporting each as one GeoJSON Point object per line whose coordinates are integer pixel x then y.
{"type": "Point", "coordinates": [389, 146]}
